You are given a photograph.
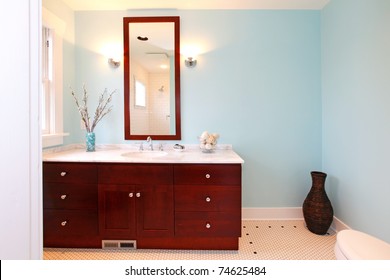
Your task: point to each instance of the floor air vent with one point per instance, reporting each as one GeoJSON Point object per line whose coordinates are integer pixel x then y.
{"type": "Point", "coordinates": [119, 244]}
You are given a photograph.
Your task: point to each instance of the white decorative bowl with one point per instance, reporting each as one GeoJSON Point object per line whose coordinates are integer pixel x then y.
{"type": "Point", "coordinates": [208, 151]}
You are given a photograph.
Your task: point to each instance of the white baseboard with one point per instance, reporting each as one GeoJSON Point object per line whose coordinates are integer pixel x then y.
{"type": "Point", "coordinates": [338, 225]}
{"type": "Point", "coordinates": [284, 213]}
{"type": "Point", "coordinates": [287, 213]}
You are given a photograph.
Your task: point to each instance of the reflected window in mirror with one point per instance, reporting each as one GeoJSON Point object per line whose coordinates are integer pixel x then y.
{"type": "Point", "coordinates": [140, 94]}
{"type": "Point", "coordinates": [152, 58]}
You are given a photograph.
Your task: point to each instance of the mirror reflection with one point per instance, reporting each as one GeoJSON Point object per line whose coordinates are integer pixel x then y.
{"type": "Point", "coordinates": [152, 77]}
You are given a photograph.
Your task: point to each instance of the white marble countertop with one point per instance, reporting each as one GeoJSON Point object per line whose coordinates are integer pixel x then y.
{"type": "Point", "coordinates": [129, 153]}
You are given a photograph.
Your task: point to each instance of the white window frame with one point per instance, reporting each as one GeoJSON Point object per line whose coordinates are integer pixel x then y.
{"type": "Point", "coordinates": [54, 136]}
{"type": "Point", "coordinates": [47, 90]}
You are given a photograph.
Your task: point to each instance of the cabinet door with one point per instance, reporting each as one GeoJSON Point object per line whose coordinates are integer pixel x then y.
{"type": "Point", "coordinates": [155, 216]}
{"type": "Point", "coordinates": [117, 211]}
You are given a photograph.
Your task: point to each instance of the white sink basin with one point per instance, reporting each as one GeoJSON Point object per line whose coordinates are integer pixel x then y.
{"type": "Point", "coordinates": [145, 154]}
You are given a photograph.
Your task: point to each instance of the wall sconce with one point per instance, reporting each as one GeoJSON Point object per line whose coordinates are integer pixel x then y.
{"type": "Point", "coordinates": [114, 63]}
{"type": "Point", "coordinates": [190, 62]}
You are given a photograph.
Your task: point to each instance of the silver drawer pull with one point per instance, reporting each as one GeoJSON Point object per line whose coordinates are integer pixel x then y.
{"type": "Point", "coordinates": [208, 176]}
{"type": "Point", "coordinates": [138, 194]}
{"type": "Point", "coordinates": [208, 225]}
{"type": "Point", "coordinates": [63, 174]}
{"type": "Point", "coordinates": [63, 196]}
{"type": "Point", "coordinates": [208, 199]}
{"type": "Point", "coordinates": [64, 223]}
{"type": "Point", "coordinates": [131, 194]}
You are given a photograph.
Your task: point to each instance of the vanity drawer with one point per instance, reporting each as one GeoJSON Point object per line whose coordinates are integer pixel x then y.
{"type": "Point", "coordinates": [70, 222]}
{"type": "Point", "coordinates": [207, 174]}
{"type": "Point", "coordinates": [69, 172]}
{"type": "Point", "coordinates": [69, 196]}
{"type": "Point", "coordinates": [160, 174]}
{"type": "Point", "coordinates": [207, 224]}
{"type": "Point", "coordinates": [207, 198]}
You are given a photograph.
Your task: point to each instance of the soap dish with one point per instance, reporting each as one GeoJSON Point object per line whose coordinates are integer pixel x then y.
{"type": "Point", "coordinates": [178, 148]}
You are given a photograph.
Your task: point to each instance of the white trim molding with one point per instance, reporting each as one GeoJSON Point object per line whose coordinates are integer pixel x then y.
{"type": "Point", "coordinates": [35, 156]}
{"type": "Point", "coordinates": [337, 225]}
{"type": "Point", "coordinates": [284, 213]}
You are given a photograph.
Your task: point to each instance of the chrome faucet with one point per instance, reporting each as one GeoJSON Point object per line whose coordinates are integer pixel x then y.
{"type": "Point", "coordinates": [150, 142]}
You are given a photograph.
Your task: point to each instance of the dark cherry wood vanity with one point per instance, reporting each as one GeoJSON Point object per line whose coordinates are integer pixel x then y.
{"type": "Point", "coordinates": [158, 205]}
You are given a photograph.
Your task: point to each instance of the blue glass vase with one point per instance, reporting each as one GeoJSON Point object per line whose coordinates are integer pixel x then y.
{"type": "Point", "coordinates": [90, 141]}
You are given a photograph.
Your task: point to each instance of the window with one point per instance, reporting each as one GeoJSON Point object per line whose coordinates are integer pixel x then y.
{"type": "Point", "coordinates": [47, 77]}
{"type": "Point", "coordinates": [140, 94]}
{"type": "Point", "coordinates": [53, 29]}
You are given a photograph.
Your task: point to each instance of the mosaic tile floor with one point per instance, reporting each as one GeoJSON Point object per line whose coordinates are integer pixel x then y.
{"type": "Point", "coordinates": [261, 240]}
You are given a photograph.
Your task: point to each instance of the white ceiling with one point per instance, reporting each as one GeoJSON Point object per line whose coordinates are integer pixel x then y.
{"type": "Point", "coordinates": [79, 5]}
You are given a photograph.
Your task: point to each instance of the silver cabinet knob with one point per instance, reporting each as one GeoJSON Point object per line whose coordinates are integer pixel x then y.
{"type": "Point", "coordinates": [208, 225]}
{"type": "Point", "coordinates": [208, 176]}
{"type": "Point", "coordinates": [64, 223]}
{"type": "Point", "coordinates": [208, 199]}
{"type": "Point", "coordinates": [63, 174]}
{"type": "Point", "coordinates": [138, 194]}
{"type": "Point", "coordinates": [63, 196]}
{"type": "Point", "coordinates": [131, 194]}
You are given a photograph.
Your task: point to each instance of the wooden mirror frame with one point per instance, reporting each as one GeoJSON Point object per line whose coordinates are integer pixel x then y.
{"type": "Point", "coordinates": [126, 41]}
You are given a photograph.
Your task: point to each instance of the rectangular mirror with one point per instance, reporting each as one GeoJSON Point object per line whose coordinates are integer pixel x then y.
{"type": "Point", "coordinates": [152, 78]}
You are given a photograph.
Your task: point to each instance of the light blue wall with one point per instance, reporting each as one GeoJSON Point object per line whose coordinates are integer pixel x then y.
{"type": "Point", "coordinates": [356, 111]}
{"type": "Point", "coordinates": [258, 87]}
{"type": "Point", "coordinates": [94, 30]}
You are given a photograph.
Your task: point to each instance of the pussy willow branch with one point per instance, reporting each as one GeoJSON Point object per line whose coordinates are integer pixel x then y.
{"type": "Point", "coordinates": [102, 109]}
{"type": "Point", "coordinates": [85, 101]}
{"type": "Point", "coordinates": [82, 109]}
{"type": "Point", "coordinates": [100, 112]}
